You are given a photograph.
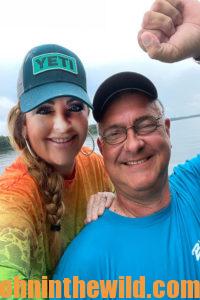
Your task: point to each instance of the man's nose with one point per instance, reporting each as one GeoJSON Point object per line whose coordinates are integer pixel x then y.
{"type": "Point", "coordinates": [134, 142]}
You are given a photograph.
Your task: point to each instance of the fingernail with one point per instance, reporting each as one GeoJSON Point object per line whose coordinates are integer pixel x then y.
{"type": "Point", "coordinates": [146, 41]}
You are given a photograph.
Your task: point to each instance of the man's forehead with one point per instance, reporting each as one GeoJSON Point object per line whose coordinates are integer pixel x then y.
{"type": "Point", "coordinates": [129, 105]}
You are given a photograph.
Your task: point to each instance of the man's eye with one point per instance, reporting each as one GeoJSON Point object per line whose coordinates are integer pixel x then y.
{"type": "Point", "coordinates": [117, 132]}
{"type": "Point", "coordinates": [114, 133]}
{"type": "Point", "coordinates": [44, 110]}
{"type": "Point", "coordinates": [146, 124]}
{"type": "Point", "coordinates": [76, 107]}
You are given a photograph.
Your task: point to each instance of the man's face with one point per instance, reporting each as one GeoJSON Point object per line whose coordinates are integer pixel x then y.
{"type": "Point", "coordinates": [140, 163]}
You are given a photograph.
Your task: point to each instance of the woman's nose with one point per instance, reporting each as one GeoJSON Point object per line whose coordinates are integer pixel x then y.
{"type": "Point", "coordinates": [61, 122]}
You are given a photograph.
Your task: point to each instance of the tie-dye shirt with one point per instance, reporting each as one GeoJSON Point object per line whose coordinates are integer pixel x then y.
{"type": "Point", "coordinates": [24, 249]}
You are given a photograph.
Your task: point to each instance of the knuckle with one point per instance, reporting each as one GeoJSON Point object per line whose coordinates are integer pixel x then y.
{"type": "Point", "coordinates": [168, 25]}
{"type": "Point", "coordinates": [177, 15]}
{"type": "Point", "coordinates": [157, 5]}
{"type": "Point", "coordinates": [178, 18]}
{"type": "Point", "coordinates": [169, 22]}
{"type": "Point", "coordinates": [177, 3]}
{"type": "Point", "coordinates": [146, 19]}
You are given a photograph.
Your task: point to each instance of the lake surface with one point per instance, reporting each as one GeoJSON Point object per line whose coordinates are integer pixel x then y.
{"type": "Point", "coordinates": [185, 137]}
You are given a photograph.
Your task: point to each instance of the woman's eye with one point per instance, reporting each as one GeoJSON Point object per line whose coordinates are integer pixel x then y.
{"type": "Point", "coordinates": [76, 107]}
{"type": "Point", "coordinates": [44, 110]}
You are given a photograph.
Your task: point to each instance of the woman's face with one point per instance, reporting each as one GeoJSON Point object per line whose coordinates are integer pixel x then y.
{"type": "Point", "coordinates": [56, 131]}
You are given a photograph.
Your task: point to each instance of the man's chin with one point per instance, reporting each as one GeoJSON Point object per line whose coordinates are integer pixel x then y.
{"type": "Point", "coordinates": [145, 185]}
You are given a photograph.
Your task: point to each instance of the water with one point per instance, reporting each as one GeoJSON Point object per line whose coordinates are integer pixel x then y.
{"type": "Point", "coordinates": [6, 159]}
{"type": "Point", "coordinates": [185, 139]}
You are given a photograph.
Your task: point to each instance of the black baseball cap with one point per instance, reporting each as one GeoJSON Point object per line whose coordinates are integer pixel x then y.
{"type": "Point", "coordinates": [50, 71]}
{"type": "Point", "coordinates": [124, 81]}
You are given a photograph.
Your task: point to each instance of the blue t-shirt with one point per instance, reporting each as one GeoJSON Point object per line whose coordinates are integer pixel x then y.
{"type": "Point", "coordinates": [135, 252]}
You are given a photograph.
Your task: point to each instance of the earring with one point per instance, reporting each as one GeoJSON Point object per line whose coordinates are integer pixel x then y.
{"type": "Point", "coordinates": [29, 148]}
{"type": "Point", "coordinates": [93, 146]}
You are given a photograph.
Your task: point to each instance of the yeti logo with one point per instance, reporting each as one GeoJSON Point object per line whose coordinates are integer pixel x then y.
{"type": "Point", "coordinates": [196, 250]}
{"type": "Point", "coordinates": [54, 61]}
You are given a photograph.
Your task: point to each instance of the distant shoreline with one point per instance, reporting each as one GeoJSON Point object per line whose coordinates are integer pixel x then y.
{"type": "Point", "coordinates": [6, 146]}
{"type": "Point", "coordinates": [184, 117]}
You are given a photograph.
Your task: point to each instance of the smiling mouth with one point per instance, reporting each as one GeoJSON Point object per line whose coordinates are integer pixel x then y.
{"type": "Point", "coordinates": [136, 162]}
{"type": "Point", "coordinates": [62, 140]}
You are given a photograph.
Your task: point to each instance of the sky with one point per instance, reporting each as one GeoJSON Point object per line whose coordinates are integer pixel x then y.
{"type": "Point", "coordinates": [103, 33]}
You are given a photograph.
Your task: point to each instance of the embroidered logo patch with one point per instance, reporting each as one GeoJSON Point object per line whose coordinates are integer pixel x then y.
{"type": "Point", "coordinates": [54, 61]}
{"type": "Point", "coordinates": [196, 251]}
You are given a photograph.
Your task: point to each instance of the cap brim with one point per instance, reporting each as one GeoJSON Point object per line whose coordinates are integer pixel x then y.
{"type": "Point", "coordinates": [142, 91]}
{"type": "Point", "coordinates": [34, 97]}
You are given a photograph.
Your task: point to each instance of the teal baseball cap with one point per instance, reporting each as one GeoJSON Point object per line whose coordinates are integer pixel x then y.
{"type": "Point", "coordinates": [50, 71]}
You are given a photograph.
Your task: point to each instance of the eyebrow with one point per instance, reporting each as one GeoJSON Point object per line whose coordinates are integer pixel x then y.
{"type": "Point", "coordinates": [115, 126]}
{"type": "Point", "coordinates": [52, 102]}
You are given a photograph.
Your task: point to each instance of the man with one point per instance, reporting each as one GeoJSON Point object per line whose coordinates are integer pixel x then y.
{"type": "Point", "coordinates": [147, 245]}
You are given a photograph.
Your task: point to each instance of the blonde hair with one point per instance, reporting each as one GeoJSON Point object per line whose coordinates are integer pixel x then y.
{"type": "Point", "coordinates": [49, 182]}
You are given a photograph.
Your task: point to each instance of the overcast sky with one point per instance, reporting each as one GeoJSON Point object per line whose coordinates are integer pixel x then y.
{"type": "Point", "coordinates": [104, 35]}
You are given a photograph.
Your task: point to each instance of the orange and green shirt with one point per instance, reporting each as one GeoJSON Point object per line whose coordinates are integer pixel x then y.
{"type": "Point", "coordinates": [24, 249]}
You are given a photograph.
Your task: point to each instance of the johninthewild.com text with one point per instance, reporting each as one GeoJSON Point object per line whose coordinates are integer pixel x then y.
{"type": "Point", "coordinates": [124, 287]}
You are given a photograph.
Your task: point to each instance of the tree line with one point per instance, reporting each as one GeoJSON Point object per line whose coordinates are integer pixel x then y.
{"type": "Point", "coordinates": [4, 143]}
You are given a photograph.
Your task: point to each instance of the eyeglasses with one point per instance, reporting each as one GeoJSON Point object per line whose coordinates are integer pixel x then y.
{"type": "Point", "coordinates": [142, 126]}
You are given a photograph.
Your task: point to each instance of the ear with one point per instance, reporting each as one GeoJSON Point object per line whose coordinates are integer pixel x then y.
{"type": "Point", "coordinates": [100, 144]}
{"type": "Point", "coordinates": [167, 126]}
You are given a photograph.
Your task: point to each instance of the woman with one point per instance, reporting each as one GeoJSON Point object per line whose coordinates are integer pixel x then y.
{"type": "Point", "coordinates": [44, 192]}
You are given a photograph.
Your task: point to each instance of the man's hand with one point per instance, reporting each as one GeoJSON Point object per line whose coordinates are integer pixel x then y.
{"type": "Point", "coordinates": [97, 204]}
{"type": "Point", "coordinates": [171, 30]}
